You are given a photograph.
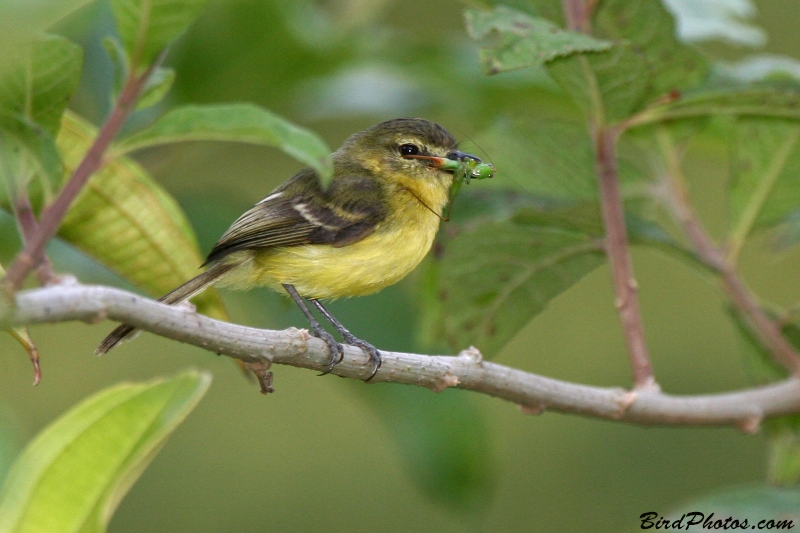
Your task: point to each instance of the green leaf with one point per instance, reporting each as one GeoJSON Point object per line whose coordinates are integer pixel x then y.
{"type": "Point", "coordinates": [503, 274]}
{"type": "Point", "coordinates": [41, 81]}
{"type": "Point", "coordinates": [120, 61]}
{"type": "Point", "coordinates": [523, 41]}
{"type": "Point", "coordinates": [646, 62]}
{"type": "Point", "coordinates": [753, 504]}
{"type": "Point", "coordinates": [546, 158]}
{"type": "Point", "coordinates": [789, 232]}
{"type": "Point", "coordinates": [764, 100]}
{"type": "Point", "coordinates": [147, 27]}
{"type": "Point", "coordinates": [27, 150]}
{"type": "Point", "coordinates": [504, 267]}
{"type": "Point", "coordinates": [157, 87]}
{"type": "Point", "coordinates": [158, 84]}
{"type": "Point", "coordinates": [473, 208]}
{"type": "Point", "coordinates": [36, 86]}
{"type": "Point", "coordinates": [650, 29]}
{"type": "Point", "coordinates": [607, 86]}
{"type": "Point", "coordinates": [580, 217]}
{"type": "Point", "coordinates": [555, 159]}
{"type": "Point", "coordinates": [74, 474]}
{"type": "Point", "coordinates": [585, 217]}
{"type": "Point", "coordinates": [246, 123]}
{"type": "Point", "coordinates": [22, 21]}
{"type": "Point", "coordinates": [784, 450]}
{"type": "Point", "coordinates": [765, 164]}
{"type": "Point", "coordinates": [126, 221]}
{"type": "Point", "coordinates": [646, 232]}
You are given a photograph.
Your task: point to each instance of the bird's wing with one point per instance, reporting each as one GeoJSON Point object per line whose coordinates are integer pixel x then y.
{"type": "Point", "coordinates": [299, 212]}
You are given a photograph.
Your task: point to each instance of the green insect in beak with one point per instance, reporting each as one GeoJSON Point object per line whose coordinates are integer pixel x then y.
{"type": "Point", "coordinates": [464, 167]}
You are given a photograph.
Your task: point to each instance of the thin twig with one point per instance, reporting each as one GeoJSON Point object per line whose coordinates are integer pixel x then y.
{"type": "Point", "coordinates": [578, 14]}
{"type": "Point", "coordinates": [53, 214]}
{"type": "Point", "coordinates": [18, 192]}
{"type": "Point", "coordinates": [23, 212]}
{"type": "Point", "coordinates": [28, 226]}
{"type": "Point", "coordinates": [766, 330]}
{"type": "Point", "coordinates": [619, 258]}
{"type": "Point", "coordinates": [533, 393]}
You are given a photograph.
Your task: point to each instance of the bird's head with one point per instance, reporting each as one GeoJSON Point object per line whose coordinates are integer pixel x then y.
{"type": "Point", "coordinates": [405, 149]}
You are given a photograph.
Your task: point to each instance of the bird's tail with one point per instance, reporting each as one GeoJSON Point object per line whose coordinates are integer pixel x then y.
{"type": "Point", "coordinates": [189, 289]}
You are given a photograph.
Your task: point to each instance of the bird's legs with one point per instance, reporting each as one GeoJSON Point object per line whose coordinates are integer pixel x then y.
{"type": "Point", "coordinates": [349, 338]}
{"type": "Point", "coordinates": [337, 352]}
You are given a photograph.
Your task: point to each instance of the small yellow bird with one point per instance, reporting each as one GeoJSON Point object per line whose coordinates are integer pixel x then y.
{"type": "Point", "coordinates": [372, 225]}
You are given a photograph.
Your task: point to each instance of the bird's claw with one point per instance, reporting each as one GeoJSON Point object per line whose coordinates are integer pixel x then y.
{"type": "Point", "coordinates": [374, 354]}
{"type": "Point", "coordinates": [337, 352]}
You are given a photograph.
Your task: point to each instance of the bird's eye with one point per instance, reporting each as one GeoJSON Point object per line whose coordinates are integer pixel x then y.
{"type": "Point", "coordinates": [409, 149]}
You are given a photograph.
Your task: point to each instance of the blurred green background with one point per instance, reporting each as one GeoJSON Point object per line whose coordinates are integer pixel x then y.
{"type": "Point", "coordinates": [327, 454]}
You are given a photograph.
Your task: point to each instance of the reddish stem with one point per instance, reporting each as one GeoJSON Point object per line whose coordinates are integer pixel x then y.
{"type": "Point", "coordinates": [766, 330]}
{"type": "Point", "coordinates": [619, 258]}
{"type": "Point", "coordinates": [23, 211]}
{"type": "Point", "coordinates": [578, 14]}
{"type": "Point", "coordinates": [28, 226]}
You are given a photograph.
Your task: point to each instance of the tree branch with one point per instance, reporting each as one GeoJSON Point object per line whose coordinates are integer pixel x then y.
{"type": "Point", "coordinates": [744, 409]}
{"type": "Point", "coordinates": [766, 330]}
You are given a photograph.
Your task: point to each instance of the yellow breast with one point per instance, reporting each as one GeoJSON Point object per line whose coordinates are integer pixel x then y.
{"type": "Point", "coordinates": [321, 271]}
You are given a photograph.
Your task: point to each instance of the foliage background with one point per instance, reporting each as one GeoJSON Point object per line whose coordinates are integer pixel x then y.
{"type": "Point", "coordinates": [329, 454]}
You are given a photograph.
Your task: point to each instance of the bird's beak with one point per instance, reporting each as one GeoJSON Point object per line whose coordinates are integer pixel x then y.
{"type": "Point", "coordinates": [449, 163]}
{"type": "Point", "coordinates": [457, 155]}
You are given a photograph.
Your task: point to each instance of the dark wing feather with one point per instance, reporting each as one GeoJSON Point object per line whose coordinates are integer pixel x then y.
{"type": "Point", "coordinates": [299, 212]}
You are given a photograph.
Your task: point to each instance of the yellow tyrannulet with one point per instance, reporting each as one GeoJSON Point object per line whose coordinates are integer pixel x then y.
{"type": "Point", "coordinates": [369, 228]}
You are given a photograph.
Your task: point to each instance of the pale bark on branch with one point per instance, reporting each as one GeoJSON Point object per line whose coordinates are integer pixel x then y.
{"type": "Point", "coordinates": [533, 393]}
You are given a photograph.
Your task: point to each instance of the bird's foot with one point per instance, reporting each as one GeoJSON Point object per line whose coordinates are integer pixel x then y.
{"type": "Point", "coordinates": [374, 354]}
{"type": "Point", "coordinates": [337, 352]}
